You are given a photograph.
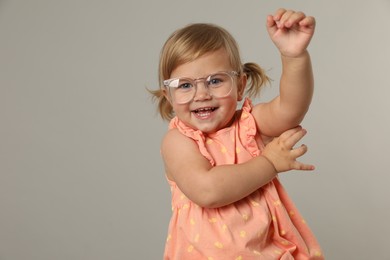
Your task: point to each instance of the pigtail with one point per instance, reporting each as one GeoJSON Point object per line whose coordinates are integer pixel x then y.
{"type": "Point", "coordinates": [256, 78]}
{"type": "Point", "coordinates": [164, 107]}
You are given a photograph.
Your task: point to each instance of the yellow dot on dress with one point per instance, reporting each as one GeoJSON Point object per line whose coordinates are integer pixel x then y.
{"type": "Point", "coordinates": [213, 220]}
{"type": "Point", "coordinates": [238, 258]}
{"type": "Point", "coordinates": [277, 203]}
{"type": "Point", "coordinates": [223, 149]}
{"type": "Point", "coordinates": [210, 258]}
{"type": "Point", "coordinates": [256, 252]}
{"type": "Point", "coordinates": [190, 248]}
{"type": "Point", "coordinates": [224, 227]}
{"type": "Point", "coordinates": [245, 217]}
{"type": "Point", "coordinates": [254, 203]}
{"type": "Point", "coordinates": [242, 233]}
{"type": "Point", "coordinates": [318, 253]}
{"type": "Point", "coordinates": [209, 141]}
{"type": "Point", "coordinates": [278, 252]}
{"type": "Point", "coordinates": [169, 237]}
{"type": "Point", "coordinates": [238, 150]}
{"type": "Point", "coordinates": [196, 239]}
{"type": "Point", "coordinates": [244, 115]}
{"type": "Point", "coordinates": [282, 232]}
{"type": "Point", "coordinates": [218, 245]}
{"type": "Point", "coordinates": [192, 221]}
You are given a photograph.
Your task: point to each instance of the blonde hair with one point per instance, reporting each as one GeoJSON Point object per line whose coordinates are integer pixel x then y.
{"type": "Point", "coordinates": [191, 42]}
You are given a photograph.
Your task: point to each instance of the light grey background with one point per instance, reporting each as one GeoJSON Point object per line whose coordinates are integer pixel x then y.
{"type": "Point", "coordinates": [80, 172]}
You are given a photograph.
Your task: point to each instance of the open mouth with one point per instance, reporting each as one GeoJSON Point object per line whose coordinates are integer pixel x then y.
{"type": "Point", "coordinates": [204, 112]}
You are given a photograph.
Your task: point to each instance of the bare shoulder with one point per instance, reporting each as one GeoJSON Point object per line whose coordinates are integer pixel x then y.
{"type": "Point", "coordinates": [258, 110]}
{"type": "Point", "coordinates": [268, 121]}
{"type": "Point", "coordinates": [260, 114]}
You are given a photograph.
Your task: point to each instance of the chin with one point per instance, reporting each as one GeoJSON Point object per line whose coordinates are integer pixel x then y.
{"type": "Point", "coordinates": [209, 129]}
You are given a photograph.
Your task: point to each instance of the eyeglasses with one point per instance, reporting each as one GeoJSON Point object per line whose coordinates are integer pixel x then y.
{"type": "Point", "coordinates": [183, 90]}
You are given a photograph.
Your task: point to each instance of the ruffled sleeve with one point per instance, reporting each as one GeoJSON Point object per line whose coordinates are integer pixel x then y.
{"type": "Point", "coordinates": [248, 130]}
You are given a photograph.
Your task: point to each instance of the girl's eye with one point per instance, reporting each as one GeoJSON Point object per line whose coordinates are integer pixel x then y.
{"type": "Point", "coordinates": [215, 81]}
{"type": "Point", "coordinates": [185, 86]}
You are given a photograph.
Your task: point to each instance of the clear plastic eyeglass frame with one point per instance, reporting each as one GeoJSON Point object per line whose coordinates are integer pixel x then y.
{"type": "Point", "coordinates": [183, 90]}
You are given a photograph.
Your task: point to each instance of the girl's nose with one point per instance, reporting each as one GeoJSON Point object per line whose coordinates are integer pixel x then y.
{"type": "Point", "coordinates": [202, 92]}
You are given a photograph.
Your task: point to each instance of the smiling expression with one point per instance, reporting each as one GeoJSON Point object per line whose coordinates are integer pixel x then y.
{"type": "Point", "coordinates": [205, 112]}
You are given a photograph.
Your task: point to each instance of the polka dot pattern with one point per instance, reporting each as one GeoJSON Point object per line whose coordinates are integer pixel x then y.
{"type": "Point", "coordinates": [264, 225]}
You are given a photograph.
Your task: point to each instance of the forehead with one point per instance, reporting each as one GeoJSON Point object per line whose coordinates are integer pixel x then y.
{"type": "Point", "coordinates": [206, 64]}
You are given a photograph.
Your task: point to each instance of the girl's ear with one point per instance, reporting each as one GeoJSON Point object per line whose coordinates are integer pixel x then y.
{"type": "Point", "coordinates": [241, 84]}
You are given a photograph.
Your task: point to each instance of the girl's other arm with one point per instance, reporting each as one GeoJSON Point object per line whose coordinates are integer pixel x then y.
{"type": "Point", "coordinates": [217, 186]}
{"type": "Point", "coordinates": [291, 32]}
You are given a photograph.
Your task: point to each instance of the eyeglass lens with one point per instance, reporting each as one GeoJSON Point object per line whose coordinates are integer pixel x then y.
{"type": "Point", "coordinates": [183, 90]}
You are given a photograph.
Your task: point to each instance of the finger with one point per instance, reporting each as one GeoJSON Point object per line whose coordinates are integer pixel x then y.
{"type": "Point", "coordinates": [294, 138]}
{"type": "Point", "coordinates": [271, 24]}
{"type": "Point", "coordinates": [302, 166]}
{"type": "Point", "coordinates": [287, 134]}
{"type": "Point", "coordinates": [309, 21]}
{"type": "Point", "coordinates": [278, 14]}
{"type": "Point", "coordinates": [299, 151]}
{"type": "Point", "coordinates": [284, 18]}
{"type": "Point", "coordinates": [294, 19]}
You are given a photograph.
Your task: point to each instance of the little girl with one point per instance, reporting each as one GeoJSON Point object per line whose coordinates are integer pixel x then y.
{"type": "Point", "coordinates": [227, 202]}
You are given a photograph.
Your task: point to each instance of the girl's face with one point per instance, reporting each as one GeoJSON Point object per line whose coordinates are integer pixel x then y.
{"type": "Point", "coordinates": [205, 112]}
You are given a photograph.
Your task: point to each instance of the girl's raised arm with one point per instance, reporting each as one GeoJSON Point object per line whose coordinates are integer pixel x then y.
{"type": "Point", "coordinates": [291, 32]}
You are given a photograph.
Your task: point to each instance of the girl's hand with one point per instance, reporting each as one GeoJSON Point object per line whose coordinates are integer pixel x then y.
{"type": "Point", "coordinates": [282, 155]}
{"type": "Point", "coordinates": [290, 31]}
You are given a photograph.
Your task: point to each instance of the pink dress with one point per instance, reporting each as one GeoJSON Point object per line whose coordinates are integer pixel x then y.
{"type": "Point", "coordinates": [264, 225]}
